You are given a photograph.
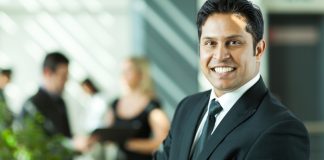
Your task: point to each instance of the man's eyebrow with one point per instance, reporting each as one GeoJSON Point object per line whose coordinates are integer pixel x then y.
{"type": "Point", "coordinates": [234, 36]}
{"type": "Point", "coordinates": [207, 38]}
{"type": "Point", "coordinates": [228, 37]}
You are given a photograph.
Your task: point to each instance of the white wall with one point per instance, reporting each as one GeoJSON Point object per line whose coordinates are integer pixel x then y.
{"type": "Point", "coordinates": [95, 35]}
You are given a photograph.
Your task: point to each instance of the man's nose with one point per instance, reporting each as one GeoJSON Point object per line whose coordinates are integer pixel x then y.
{"type": "Point", "coordinates": [221, 52]}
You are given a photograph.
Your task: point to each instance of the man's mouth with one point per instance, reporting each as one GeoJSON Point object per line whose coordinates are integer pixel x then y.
{"type": "Point", "coordinates": [223, 69]}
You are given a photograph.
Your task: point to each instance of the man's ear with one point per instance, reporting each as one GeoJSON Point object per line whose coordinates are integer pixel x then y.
{"type": "Point", "coordinates": [47, 71]}
{"type": "Point", "coordinates": [259, 50]}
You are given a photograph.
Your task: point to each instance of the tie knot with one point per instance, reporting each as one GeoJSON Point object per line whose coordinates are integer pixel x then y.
{"type": "Point", "coordinates": [214, 107]}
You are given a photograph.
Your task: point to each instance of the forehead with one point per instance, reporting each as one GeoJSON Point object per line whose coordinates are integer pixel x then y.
{"type": "Point", "coordinates": [219, 24]}
{"type": "Point", "coordinates": [128, 63]}
{"type": "Point", "coordinates": [62, 68]}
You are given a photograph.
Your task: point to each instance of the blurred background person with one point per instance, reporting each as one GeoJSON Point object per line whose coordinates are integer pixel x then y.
{"type": "Point", "coordinates": [5, 77]}
{"type": "Point", "coordinates": [94, 112]}
{"type": "Point", "coordinates": [96, 107]}
{"type": "Point", "coordinates": [48, 100]}
{"type": "Point", "coordinates": [5, 112]}
{"type": "Point", "coordinates": [138, 106]}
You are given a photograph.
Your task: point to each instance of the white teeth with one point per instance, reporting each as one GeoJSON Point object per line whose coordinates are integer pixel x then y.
{"type": "Point", "coordinates": [223, 69]}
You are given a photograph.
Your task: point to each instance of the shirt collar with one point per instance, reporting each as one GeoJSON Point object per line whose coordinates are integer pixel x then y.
{"type": "Point", "coordinates": [52, 95]}
{"type": "Point", "coordinates": [228, 100]}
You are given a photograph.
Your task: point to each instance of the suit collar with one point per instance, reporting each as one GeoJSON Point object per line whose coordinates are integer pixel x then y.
{"type": "Point", "coordinates": [242, 110]}
{"type": "Point", "coordinates": [228, 100]}
{"type": "Point", "coordinates": [194, 117]}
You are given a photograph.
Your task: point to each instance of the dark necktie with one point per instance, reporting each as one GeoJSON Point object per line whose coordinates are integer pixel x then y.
{"type": "Point", "coordinates": [214, 108]}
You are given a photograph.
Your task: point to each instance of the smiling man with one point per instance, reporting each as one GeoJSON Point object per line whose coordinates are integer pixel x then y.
{"type": "Point", "coordinates": [238, 118]}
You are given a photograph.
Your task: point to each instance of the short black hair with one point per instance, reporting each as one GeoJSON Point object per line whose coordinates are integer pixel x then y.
{"type": "Point", "coordinates": [6, 72]}
{"type": "Point", "coordinates": [91, 85]}
{"type": "Point", "coordinates": [54, 59]}
{"type": "Point", "coordinates": [245, 8]}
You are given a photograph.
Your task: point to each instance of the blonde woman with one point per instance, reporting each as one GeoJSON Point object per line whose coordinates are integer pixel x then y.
{"type": "Point", "coordinates": [139, 107]}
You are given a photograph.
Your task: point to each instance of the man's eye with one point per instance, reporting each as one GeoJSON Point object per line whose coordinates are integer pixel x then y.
{"type": "Point", "coordinates": [233, 43]}
{"type": "Point", "coordinates": [209, 43]}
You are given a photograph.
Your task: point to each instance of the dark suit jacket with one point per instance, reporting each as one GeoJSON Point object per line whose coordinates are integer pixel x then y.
{"type": "Point", "coordinates": [257, 127]}
{"type": "Point", "coordinates": [54, 111]}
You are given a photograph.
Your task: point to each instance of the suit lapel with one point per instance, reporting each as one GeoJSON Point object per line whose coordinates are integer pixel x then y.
{"type": "Point", "coordinates": [193, 120]}
{"type": "Point", "coordinates": [241, 111]}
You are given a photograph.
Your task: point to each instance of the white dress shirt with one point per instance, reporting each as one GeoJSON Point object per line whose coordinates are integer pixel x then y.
{"type": "Point", "coordinates": [94, 113]}
{"type": "Point", "coordinates": [227, 101]}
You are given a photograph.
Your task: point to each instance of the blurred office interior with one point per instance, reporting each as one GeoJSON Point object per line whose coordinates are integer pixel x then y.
{"type": "Point", "coordinates": [97, 35]}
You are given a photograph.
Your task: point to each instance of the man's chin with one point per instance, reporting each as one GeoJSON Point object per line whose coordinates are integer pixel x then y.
{"type": "Point", "coordinates": [59, 92]}
{"type": "Point", "coordinates": [223, 88]}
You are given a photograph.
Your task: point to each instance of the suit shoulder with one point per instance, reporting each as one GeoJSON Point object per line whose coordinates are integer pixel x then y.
{"type": "Point", "coordinates": [197, 96]}
{"type": "Point", "coordinates": [272, 107]}
{"type": "Point", "coordinates": [192, 101]}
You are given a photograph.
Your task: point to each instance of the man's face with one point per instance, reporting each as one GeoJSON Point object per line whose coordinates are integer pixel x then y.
{"type": "Point", "coordinates": [4, 80]}
{"type": "Point", "coordinates": [58, 78]}
{"type": "Point", "coordinates": [227, 56]}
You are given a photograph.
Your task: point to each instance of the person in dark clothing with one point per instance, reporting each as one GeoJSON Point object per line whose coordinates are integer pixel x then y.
{"type": "Point", "coordinates": [138, 108]}
{"type": "Point", "coordinates": [48, 100]}
{"type": "Point", "coordinates": [139, 122]}
{"type": "Point", "coordinates": [238, 118]}
{"type": "Point", "coordinates": [5, 77]}
{"type": "Point", "coordinates": [53, 108]}
{"type": "Point", "coordinates": [5, 112]}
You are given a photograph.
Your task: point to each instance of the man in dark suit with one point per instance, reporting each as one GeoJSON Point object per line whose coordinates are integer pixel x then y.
{"type": "Point", "coordinates": [48, 101]}
{"type": "Point", "coordinates": [238, 118]}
